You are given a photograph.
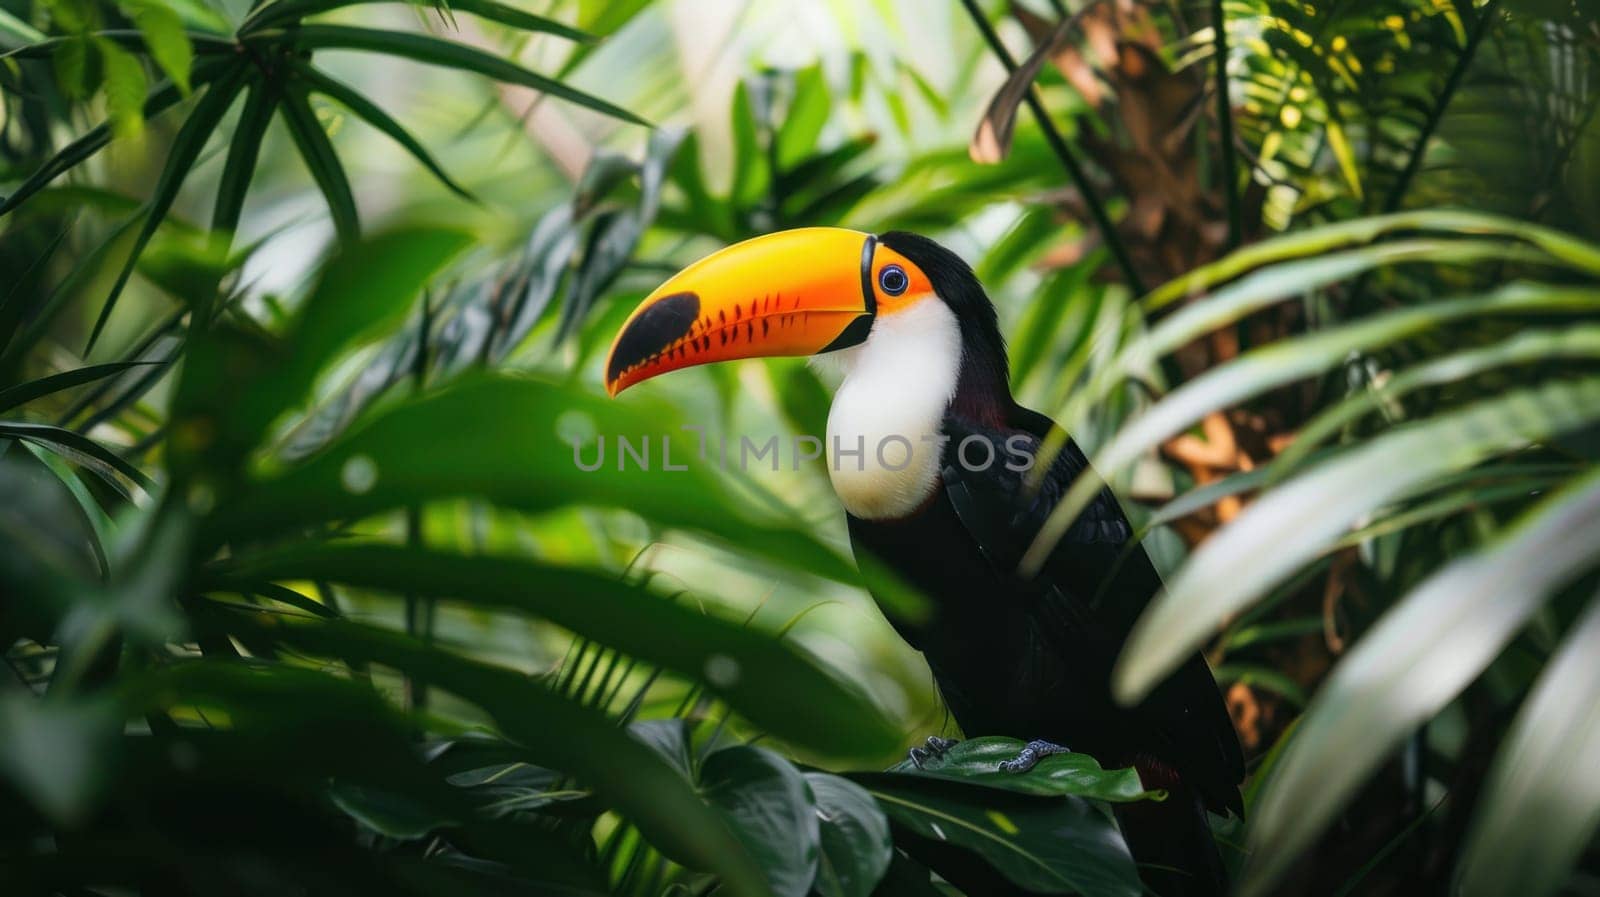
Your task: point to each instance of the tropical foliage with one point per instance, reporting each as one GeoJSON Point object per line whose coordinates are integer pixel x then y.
{"type": "Point", "coordinates": [302, 588]}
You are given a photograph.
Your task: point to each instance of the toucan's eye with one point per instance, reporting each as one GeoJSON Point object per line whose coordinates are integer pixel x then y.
{"type": "Point", "coordinates": [893, 280]}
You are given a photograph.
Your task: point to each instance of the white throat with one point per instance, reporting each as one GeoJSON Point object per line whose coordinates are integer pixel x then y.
{"type": "Point", "coordinates": [891, 406]}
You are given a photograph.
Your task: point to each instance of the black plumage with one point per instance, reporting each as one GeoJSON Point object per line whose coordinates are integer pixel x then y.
{"type": "Point", "coordinates": [1032, 658]}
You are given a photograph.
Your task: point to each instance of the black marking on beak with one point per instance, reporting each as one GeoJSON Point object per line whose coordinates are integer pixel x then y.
{"type": "Point", "coordinates": [856, 333]}
{"type": "Point", "coordinates": [666, 321]}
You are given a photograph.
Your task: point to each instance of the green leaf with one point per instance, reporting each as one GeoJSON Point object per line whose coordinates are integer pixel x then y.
{"type": "Point", "coordinates": [856, 846]}
{"type": "Point", "coordinates": [541, 431]}
{"type": "Point", "coordinates": [389, 814]}
{"type": "Point", "coordinates": [808, 112]}
{"type": "Point", "coordinates": [15, 30]}
{"type": "Point", "coordinates": [555, 732]}
{"type": "Point", "coordinates": [369, 112]}
{"type": "Point", "coordinates": [366, 290]}
{"type": "Point", "coordinates": [59, 752]}
{"type": "Point", "coordinates": [79, 449]}
{"type": "Point", "coordinates": [295, 10]}
{"type": "Point", "coordinates": [977, 761]}
{"type": "Point", "coordinates": [23, 393]}
{"type": "Point", "coordinates": [771, 810]}
{"type": "Point", "coordinates": [1291, 524]}
{"type": "Point", "coordinates": [434, 51]}
{"type": "Point", "coordinates": [1554, 736]}
{"type": "Point", "coordinates": [125, 86]}
{"type": "Point", "coordinates": [1530, 347]}
{"type": "Point", "coordinates": [243, 151]}
{"type": "Point", "coordinates": [1048, 845]}
{"type": "Point", "coordinates": [1393, 680]}
{"type": "Point", "coordinates": [1319, 241]}
{"type": "Point", "coordinates": [164, 37]}
{"type": "Point", "coordinates": [323, 163]}
{"type": "Point", "coordinates": [1281, 363]}
{"type": "Point", "coordinates": [185, 149]}
{"type": "Point", "coordinates": [71, 66]}
{"type": "Point", "coordinates": [749, 669]}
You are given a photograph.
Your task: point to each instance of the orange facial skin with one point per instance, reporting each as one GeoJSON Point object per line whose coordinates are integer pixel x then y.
{"type": "Point", "coordinates": [795, 292]}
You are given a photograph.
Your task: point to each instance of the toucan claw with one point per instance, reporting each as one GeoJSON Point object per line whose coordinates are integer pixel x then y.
{"type": "Point", "coordinates": [1031, 754]}
{"type": "Point", "coordinates": [934, 748]}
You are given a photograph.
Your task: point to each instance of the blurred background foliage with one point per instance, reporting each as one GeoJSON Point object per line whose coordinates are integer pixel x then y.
{"type": "Point", "coordinates": [302, 314]}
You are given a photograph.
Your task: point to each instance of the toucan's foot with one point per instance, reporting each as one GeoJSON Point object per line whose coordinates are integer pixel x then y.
{"type": "Point", "coordinates": [932, 748]}
{"type": "Point", "coordinates": [1031, 754]}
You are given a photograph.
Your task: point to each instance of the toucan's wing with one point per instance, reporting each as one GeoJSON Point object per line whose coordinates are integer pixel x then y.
{"type": "Point", "coordinates": [1093, 586]}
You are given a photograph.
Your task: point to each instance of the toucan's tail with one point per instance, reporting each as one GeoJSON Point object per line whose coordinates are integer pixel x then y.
{"type": "Point", "coordinates": [1171, 841]}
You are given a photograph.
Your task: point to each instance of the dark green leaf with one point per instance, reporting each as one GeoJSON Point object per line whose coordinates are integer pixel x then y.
{"type": "Point", "coordinates": [771, 810]}
{"type": "Point", "coordinates": [1048, 845]}
{"type": "Point", "coordinates": [556, 733]}
{"type": "Point", "coordinates": [977, 760]}
{"type": "Point", "coordinates": [856, 847]}
{"type": "Point", "coordinates": [78, 448]}
{"type": "Point", "coordinates": [243, 151]}
{"type": "Point", "coordinates": [434, 51]}
{"type": "Point", "coordinates": [58, 752]}
{"type": "Point", "coordinates": [529, 464]}
{"type": "Point", "coordinates": [24, 393]}
{"type": "Point", "coordinates": [745, 667]}
{"type": "Point", "coordinates": [316, 150]}
{"type": "Point", "coordinates": [186, 146]}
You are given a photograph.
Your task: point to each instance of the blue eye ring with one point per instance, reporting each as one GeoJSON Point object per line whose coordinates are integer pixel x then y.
{"type": "Point", "coordinates": [893, 280]}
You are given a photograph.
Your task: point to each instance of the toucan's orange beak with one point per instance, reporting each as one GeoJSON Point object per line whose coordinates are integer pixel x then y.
{"type": "Point", "coordinates": [796, 292]}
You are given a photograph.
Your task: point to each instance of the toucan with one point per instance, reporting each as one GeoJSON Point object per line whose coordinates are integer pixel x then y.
{"type": "Point", "coordinates": [929, 455]}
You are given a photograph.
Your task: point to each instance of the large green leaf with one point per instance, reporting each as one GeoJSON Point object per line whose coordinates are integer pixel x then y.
{"type": "Point", "coordinates": [771, 810]}
{"type": "Point", "coordinates": [1048, 845]}
{"type": "Point", "coordinates": [1281, 363]}
{"type": "Point", "coordinates": [1544, 771]}
{"type": "Point", "coordinates": [855, 840]}
{"type": "Point", "coordinates": [767, 681]}
{"type": "Point", "coordinates": [1320, 241]}
{"type": "Point", "coordinates": [235, 387]}
{"type": "Point", "coordinates": [556, 733]}
{"type": "Point", "coordinates": [1414, 661]}
{"type": "Point", "coordinates": [977, 761]}
{"type": "Point", "coordinates": [1291, 524]}
{"type": "Point", "coordinates": [397, 458]}
{"type": "Point", "coordinates": [1529, 347]}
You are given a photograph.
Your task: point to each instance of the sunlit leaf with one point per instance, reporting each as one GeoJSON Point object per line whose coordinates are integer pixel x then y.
{"type": "Point", "coordinates": [1545, 771]}
{"type": "Point", "coordinates": [1394, 680]}
{"type": "Point", "coordinates": [1293, 523]}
